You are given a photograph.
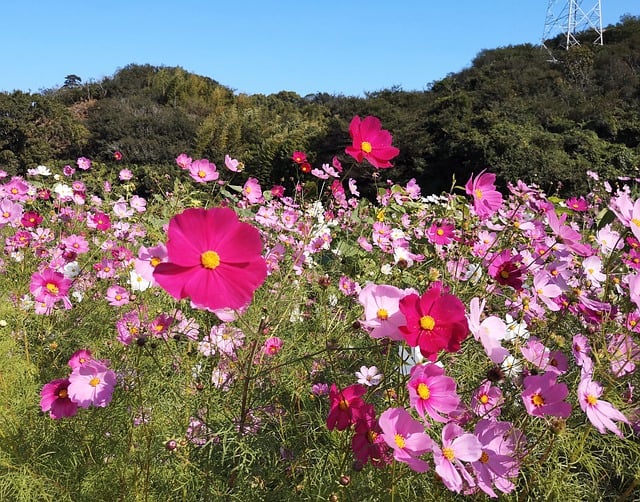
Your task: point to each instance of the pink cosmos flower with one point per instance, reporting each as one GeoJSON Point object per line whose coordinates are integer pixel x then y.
{"type": "Point", "coordinates": [202, 171]}
{"type": "Point", "coordinates": [299, 157]}
{"type": "Point", "coordinates": [184, 161]}
{"type": "Point", "coordinates": [31, 219]}
{"type": "Point", "coordinates": [50, 287]}
{"type": "Point", "coordinates": [272, 346]}
{"type": "Point", "coordinates": [91, 384]}
{"type": "Point", "coordinates": [436, 321]}
{"type": "Point", "coordinates": [497, 465]}
{"type": "Point", "coordinates": [486, 400]}
{"type": "Point", "coordinates": [233, 165]}
{"type": "Point", "coordinates": [371, 142]}
{"type": "Point", "coordinates": [543, 396]}
{"type": "Point", "coordinates": [117, 155]}
{"type": "Point", "coordinates": [80, 358]}
{"type": "Point", "coordinates": [634, 221]}
{"type": "Point", "coordinates": [125, 175]}
{"type": "Point", "coordinates": [10, 212]}
{"type": "Point", "coordinates": [457, 447]}
{"type": "Point", "coordinates": [117, 296]}
{"type": "Point", "coordinates": [213, 258]}
{"type": "Point", "coordinates": [505, 268]}
{"type": "Point", "coordinates": [84, 163]}
{"type": "Point", "coordinates": [406, 437]}
{"type": "Point", "coordinates": [601, 414]}
{"type": "Point", "coordinates": [578, 204]}
{"type": "Point", "coordinates": [148, 259]}
{"type": "Point", "coordinates": [567, 235]}
{"type": "Point", "coordinates": [486, 199]}
{"type": "Point", "coordinates": [347, 406]}
{"type": "Point", "coordinates": [382, 316]}
{"type": "Point", "coordinates": [54, 398]}
{"type": "Point", "coordinates": [99, 221]}
{"type": "Point", "coordinates": [490, 332]}
{"type": "Point", "coordinates": [431, 392]}
{"type": "Point", "coordinates": [252, 191]}
{"type": "Point", "coordinates": [367, 442]}
{"type": "Point", "coordinates": [440, 233]}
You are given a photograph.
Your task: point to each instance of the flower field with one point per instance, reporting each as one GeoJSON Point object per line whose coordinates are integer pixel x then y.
{"type": "Point", "coordinates": [224, 340]}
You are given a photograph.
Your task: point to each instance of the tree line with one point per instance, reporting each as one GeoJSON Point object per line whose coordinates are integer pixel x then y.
{"type": "Point", "coordinates": [514, 111]}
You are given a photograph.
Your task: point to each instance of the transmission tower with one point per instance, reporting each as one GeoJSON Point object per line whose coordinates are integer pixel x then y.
{"type": "Point", "coordinates": [569, 17]}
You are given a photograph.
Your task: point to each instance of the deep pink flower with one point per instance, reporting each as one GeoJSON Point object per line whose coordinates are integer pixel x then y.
{"type": "Point", "coordinates": [54, 398]}
{"type": "Point", "coordinates": [486, 400]}
{"type": "Point", "coordinates": [406, 437]}
{"type": "Point", "coordinates": [347, 406]}
{"type": "Point", "coordinates": [436, 321]}
{"type": "Point", "coordinates": [91, 384]}
{"type": "Point", "coordinates": [440, 233]}
{"type": "Point", "coordinates": [486, 199]}
{"type": "Point", "coordinates": [601, 414]}
{"type": "Point", "coordinates": [371, 142]}
{"type": "Point", "coordinates": [272, 346]}
{"type": "Point", "coordinates": [543, 396]}
{"type": "Point", "coordinates": [457, 446]}
{"type": "Point", "coordinates": [431, 392]}
{"type": "Point", "coordinates": [506, 269]}
{"type": "Point", "coordinates": [367, 442]}
{"type": "Point", "coordinates": [578, 204]}
{"type": "Point", "coordinates": [99, 221]}
{"type": "Point", "coordinates": [117, 155]}
{"type": "Point", "coordinates": [31, 219]}
{"type": "Point", "coordinates": [299, 157]}
{"type": "Point", "coordinates": [213, 258]}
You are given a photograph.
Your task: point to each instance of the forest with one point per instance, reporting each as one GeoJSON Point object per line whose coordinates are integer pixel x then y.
{"type": "Point", "coordinates": [514, 111]}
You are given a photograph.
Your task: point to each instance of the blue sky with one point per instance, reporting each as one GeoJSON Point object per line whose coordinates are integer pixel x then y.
{"type": "Point", "coordinates": [306, 46]}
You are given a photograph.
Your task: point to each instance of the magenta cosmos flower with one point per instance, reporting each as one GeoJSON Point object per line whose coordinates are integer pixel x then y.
{"type": "Point", "coordinates": [213, 258]}
{"type": "Point", "coordinates": [371, 142]}
{"type": "Point", "coordinates": [49, 287]}
{"type": "Point", "coordinates": [543, 396]}
{"type": "Point", "coordinates": [347, 406]}
{"type": "Point", "coordinates": [436, 321]}
{"type": "Point", "coordinates": [54, 398]}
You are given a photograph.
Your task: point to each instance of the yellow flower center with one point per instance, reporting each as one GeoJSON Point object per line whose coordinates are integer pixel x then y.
{"type": "Point", "coordinates": [423, 391]}
{"type": "Point", "coordinates": [484, 458]}
{"type": "Point", "coordinates": [94, 382]}
{"type": "Point", "coordinates": [478, 193]}
{"type": "Point", "coordinates": [371, 436]}
{"type": "Point", "coordinates": [537, 400]}
{"type": "Point", "coordinates": [210, 259]}
{"type": "Point", "coordinates": [201, 174]}
{"type": "Point", "coordinates": [427, 322]}
{"type": "Point", "coordinates": [382, 314]}
{"type": "Point", "coordinates": [399, 440]}
{"type": "Point", "coordinates": [504, 274]}
{"type": "Point", "coordinates": [484, 399]}
{"type": "Point", "coordinates": [440, 231]}
{"type": "Point", "coordinates": [448, 453]}
{"type": "Point", "coordinates": [343, 405]}
{"type": "Point", "coordinates": [365, 146]}
{"type": "Point", "coordinates": [592, 400]}
{"type": "Point", "coordinates": [155, 261]}
{"type": "Point", "coordinates": [636, 222]}
{"type": "Point", "coordinates": [63, 394]}
{"type": "Point", "coordinates": [52, 288]}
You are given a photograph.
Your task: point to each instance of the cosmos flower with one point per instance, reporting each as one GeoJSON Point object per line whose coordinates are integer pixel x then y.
{"type": "Point", "coordinates": [486, 199]}
{"type": "Point", "coordinates": [371, 142]}
{"type": "Point", "coordinates": [213, 258]}
{"type": "Point", "coordinates": [54, 398]}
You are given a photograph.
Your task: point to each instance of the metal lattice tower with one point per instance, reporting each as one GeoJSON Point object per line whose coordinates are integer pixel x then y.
{"type": "Point", "coordinates": [570, 17]}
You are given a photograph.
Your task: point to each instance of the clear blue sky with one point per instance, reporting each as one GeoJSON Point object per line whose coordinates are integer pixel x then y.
{"type": "Point", "coordinates": [252, 46]}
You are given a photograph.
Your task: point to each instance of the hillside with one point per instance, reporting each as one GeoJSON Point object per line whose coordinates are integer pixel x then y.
{"type": "Point", "coordinates": [512, 111]}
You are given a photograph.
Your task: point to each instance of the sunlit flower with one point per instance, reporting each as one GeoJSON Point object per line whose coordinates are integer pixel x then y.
{"type": "Point", "coordinates": [371, 142]}
{"type": "Point", "coordinates": [202, 171]}
{"type": "Point", "coordinates": [601, 414]}
{"type": "Point", "coordinates": [406, 437]}
{"type": "Point", "coordinates": [347, 406]}
{"type": "Point", "coordinates": [54, 398]}
{"type": "Point", "coordinates": [431, 392]}
{"type": "Point", "coordinates": [369, 376]}
{"type": "Point", "coordinates": [213, 258]}
{"type": "Point", "coordinates": [91, 384]}
{"type": "Point", "coordinates": [543, 396]}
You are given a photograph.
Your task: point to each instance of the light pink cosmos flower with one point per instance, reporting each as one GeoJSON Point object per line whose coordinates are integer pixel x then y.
{"type": "Point", "coordinates": [272, 346]}
{"type": "Point", "coordinates": [486, 400]}
{"type": "Point", "coordinates": [489, 332]}
{"type": "Point", "coordinates": [567, 235]}
{"type": "Point", "coordinates": [54, 398]}
{"type": "Point", "coordinates": [406, 437]}
{"type": "Point", "coordinates": [202, 171]}
{"type": "Point", "coordinates": [80, 358]}
{"type": "Point", "coordinates": [252, 191]}
{"type": "Point", "coordinates": [431, 392]}
{"type": "Point", "coordinates": [233, 165]}
{"type": "Point", "coordinates": [148, 259]}
{"type": "Point", "coordinates": [457, 446]}
{"type": "Point", "coordinates": [545, 290]}
{"type": "Point", "coordinates": [91, 384]}
{"type": "Point", "coordinates": [10, 212]}
{"type": "Point", "coordinates": [117, 296]}
{"type": "Point", "coordinates": [84, 163]}
{"type": "Point", "coordinates": [184, 161]}
{"type": "Point", "coordinates": [125, 175]}
{"type": "Point", "coordinates": [486, 199]}
{"type": "Point", "coordinates": [369, 376]}
{"type": "Point", "coordinates": [634, 221]}
{"type": "Point", "coordinates": [382, 316]}
{"type": "Point", "coordinates": [601, 414]}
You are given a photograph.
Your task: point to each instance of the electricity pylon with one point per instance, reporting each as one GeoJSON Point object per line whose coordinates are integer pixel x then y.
{"type": "Point", "coordinates": [569, 17]}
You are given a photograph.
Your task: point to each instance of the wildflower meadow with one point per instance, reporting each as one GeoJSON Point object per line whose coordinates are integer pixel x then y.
{"type": "Point", "coordinates": [224, 340]}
